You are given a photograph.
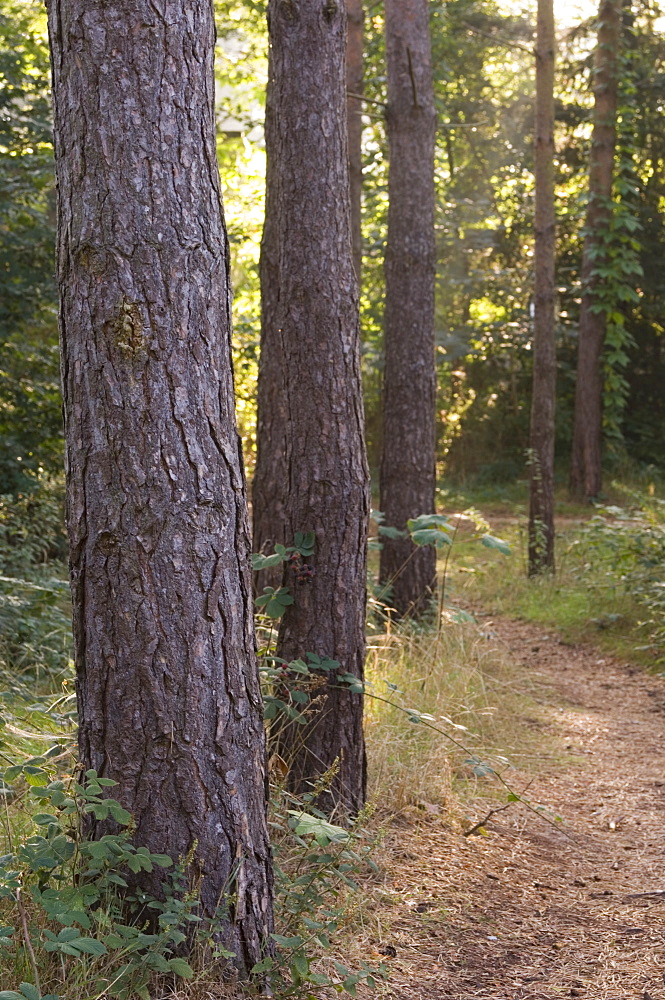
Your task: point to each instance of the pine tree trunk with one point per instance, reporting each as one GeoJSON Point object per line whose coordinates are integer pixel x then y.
{"type": "Point", "coordinates": [408, 468]}
{"type": "Point", "coordinates": [270, 486]}
{"type": "Point", "coordinates": [586, 469]}
{"type": "Point", "coordinates": [315, 372]}
{"type": "Point", "coordinates": [354, 108]}
{"type": "Point", "coordinates": [541, 486]}
{"type": "Point", "coordinates": [168, 694]}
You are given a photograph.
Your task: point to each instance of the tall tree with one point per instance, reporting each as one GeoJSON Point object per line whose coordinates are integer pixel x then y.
{"type": "Point", "coordinates": [168, 694]}
{"type": "Point", "coordinates": [311, 391]}
{"type": "Point", "coordinates": [354, 93]}
{"type": "Point", "coordinates": [541, 484]}
{"type": "Point", "coordinates": [270, 486]}
{"type": "Point", "coordinates": [408, 467]}
{"type": "Point", "coordinates": [586, 468]}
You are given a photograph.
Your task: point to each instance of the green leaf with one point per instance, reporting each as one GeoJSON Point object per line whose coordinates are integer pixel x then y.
{"type": "Point", "coordinates": [68, 934]}
{"type": "Point", "coordinates": [119, 814]}
{"type": "Point", "coordinates": [491, 542]}
{"type": "Point", "coordinates": [90, 946]}
{"type": "Point", "coordinates": [298, 667]}
{"type": "Point", "coordinates": [36, 776]}
{"type": "Point", "coordinates": [114, 941]}
{"type": "Point", "coordinates": [429, 521]}
{"type": "Point", "coordinates": [259, 561]}
{"type": "Point", "coordinates": [286, 942]}
{"type": "Point", "coordinates": [323, 832]}
{"type": "Point", "coordinates": [10, 995]}
{"type": "Point", "coordinates": [157, 961]}
{"type": "Point", "coordinates": [388, 532]}
{"type": "Point", "coordinates": [300, 965]}
{"type": "Point", "coordinates": [304, 542]}
{"type": "Point", "coordinates": [30, 991]}
{"type": "Point", "coordinates": [274, 602]}
{"type": "Point", "coordinates": [181, 968]}
{"type": "Point", "coordinates": [162, 860]}
{"type": "Point", "coordinates": [431, 536]}
{"type": "Point", "coordinates": [263, 966]}
{"type": "Point", "coordinates": [43, 819]}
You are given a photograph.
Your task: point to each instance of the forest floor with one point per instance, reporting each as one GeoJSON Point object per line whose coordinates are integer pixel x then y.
{"type": "Point", "coordinates": [535, 909]}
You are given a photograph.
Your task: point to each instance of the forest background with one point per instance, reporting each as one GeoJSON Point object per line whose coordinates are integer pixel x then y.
{"type": "Point", "coordinates": [484, 79]}
{"type": "Point", "coordinates": [484, 90]}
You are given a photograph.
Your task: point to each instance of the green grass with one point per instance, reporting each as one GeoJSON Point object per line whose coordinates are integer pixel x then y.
{"type": "Point", "coordinates": [591, 598]}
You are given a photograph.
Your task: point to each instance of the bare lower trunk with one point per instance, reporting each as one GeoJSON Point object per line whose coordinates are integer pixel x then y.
{"type": "Point", "coordinates": [168, 695]}
{"type": "Point", "coordinates": [315, 387]}
{"type": "Point", "coordinates": [586, 469]}
{"type": "Point", "coordinates": [408, 477]}
{"type": "Point", "coordinates": [354, 108]}
{"type": "Point", "coordinates": [541, 485]}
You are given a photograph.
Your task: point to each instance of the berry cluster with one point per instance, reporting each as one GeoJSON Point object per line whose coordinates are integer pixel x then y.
{"type": "Point", "coordinates": [303, 571]}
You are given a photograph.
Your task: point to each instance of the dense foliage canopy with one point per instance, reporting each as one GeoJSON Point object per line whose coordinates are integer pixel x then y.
{"type": "Point", "coordinates": [484, 84]}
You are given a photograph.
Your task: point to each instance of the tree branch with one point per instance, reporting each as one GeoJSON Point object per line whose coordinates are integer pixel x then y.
{"type": "Point", "coordinates": [367, 100]}
{"type": "Point", "coordinates": [499, 41]}
{"type": "Point", "coordinates": [416, 102]}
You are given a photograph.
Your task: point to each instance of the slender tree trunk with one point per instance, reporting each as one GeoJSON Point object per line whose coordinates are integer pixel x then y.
{"type": "Point", "coordinates": [541, 486]}
{"type": "Point", "coordinates": [354, 108]}
{"type": "Point", "coordinates": [315, 372]}
{"type": "Point", "coordinates": [270, 487]}
{"type": "Point", "coordinates": [168, 695]}
{"type": "Point", "coordinates": [586, 469]}
{"type": "Point", "coordinates": [408, 477]}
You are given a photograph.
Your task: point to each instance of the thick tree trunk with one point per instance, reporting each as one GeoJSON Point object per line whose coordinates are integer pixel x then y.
{"type": "Point", "coordinates": [408, 477]}
{"type": "Point", "coordinates": [541, 486]}
{"type": "Point", "coordinates": [586, 469]}
{"type": "Point", "coordinates": [316, 389]}
{"type": "Point", "coordinates": [168, 694]}
{"type": "Point", "coordinates": [354, 91]}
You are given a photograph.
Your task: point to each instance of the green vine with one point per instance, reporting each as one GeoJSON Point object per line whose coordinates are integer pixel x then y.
{"type": "Point", "coordinates": [617, 255]}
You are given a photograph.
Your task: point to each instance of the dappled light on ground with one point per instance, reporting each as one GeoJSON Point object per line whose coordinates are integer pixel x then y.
{"type": "Point", "coordinates": [541, 908]}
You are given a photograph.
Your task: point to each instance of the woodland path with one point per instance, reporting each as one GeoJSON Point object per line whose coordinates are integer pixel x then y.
{"type": "Point", "coordinates": [528, 912]}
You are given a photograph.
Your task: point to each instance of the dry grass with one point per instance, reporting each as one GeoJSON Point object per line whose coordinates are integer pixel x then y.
{"type": "Point", "coordinates": [467, 684]}
{"type": "Point", "coordinates": [529, 911]}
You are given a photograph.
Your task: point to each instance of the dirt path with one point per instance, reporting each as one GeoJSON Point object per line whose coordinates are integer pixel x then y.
{"type": "Point", "coordinates": [528, 912]}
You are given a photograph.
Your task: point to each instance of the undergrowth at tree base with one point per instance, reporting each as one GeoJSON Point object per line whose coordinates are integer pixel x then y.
{"type": "Point", "coordinates": [439, 700]}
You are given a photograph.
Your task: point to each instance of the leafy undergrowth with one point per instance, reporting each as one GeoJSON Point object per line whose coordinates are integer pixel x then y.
{"type": "Point", "coordinates": [608, 588]}
{"type": "Point", "coordinates": [441, 732]}
{"type": "Point", "coordinates": [436, 728]}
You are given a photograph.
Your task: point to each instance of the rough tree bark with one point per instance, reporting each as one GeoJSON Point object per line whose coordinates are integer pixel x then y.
{"type": "Point", "coordinates": [168, 694]}
{"type": "Point", "coordinates": [586, 468]}
{"type": "Point", "coordinates": [314, 395]}
{"type": "Point", "coordinates": [354, 92]}
{"type": "Point", "coordinates": [408, 477]}
{"type": "Point", "coordinates": [541, 485]}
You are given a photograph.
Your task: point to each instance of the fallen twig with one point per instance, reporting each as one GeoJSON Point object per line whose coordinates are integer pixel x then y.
{"type": "Point", "coordinates": [481, 823]}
